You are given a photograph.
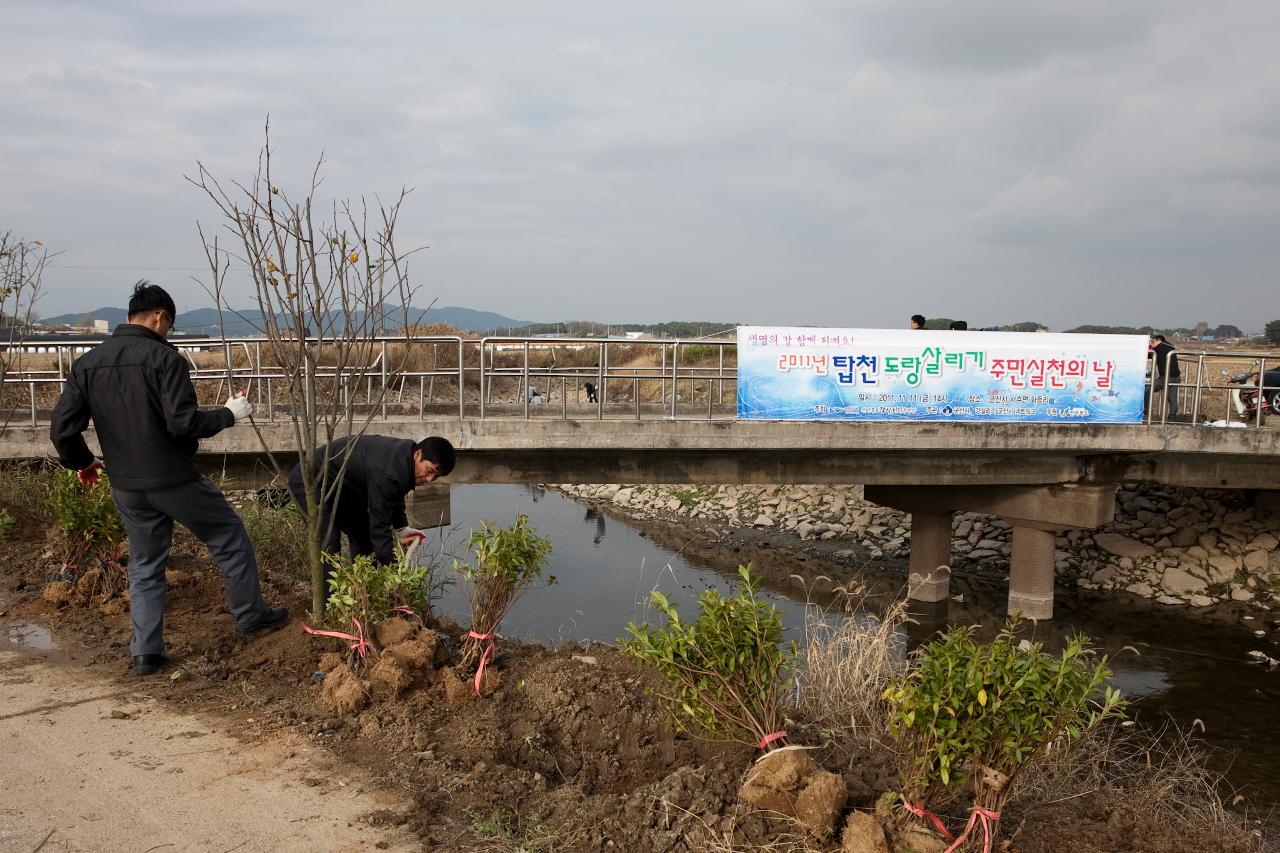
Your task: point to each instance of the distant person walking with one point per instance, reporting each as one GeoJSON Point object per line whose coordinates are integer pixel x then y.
{"type": "Point", "coordinates": [590, 388]}
{"type": "Point", "coordinates": [137, 390]}
{"type": "Point", "coordinates": [1167, 375]}
{"type": "Point", "coordinates": [917, 321]}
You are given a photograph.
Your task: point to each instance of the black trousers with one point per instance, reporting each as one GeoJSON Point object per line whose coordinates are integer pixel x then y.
{"type": "Point", "coordinates": [349, 514]}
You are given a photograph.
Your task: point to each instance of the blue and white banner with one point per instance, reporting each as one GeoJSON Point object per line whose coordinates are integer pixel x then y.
{"type": "Point", "coordinates": [909, 375]}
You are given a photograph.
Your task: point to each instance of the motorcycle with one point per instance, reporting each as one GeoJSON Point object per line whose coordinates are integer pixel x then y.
{"type": "Point", "coordinates": [1248, 397]}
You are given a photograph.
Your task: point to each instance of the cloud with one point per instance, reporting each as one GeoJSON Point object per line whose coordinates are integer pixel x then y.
{"type": "Point", "coordinates": [833, 164]}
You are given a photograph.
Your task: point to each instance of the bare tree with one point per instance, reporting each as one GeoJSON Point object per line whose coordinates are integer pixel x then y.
{"type": "Point", "coordinates": [22, 266]}
{"type": "Point", "coordinates": [324, 276]}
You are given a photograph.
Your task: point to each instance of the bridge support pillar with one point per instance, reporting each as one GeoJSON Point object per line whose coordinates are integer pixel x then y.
{"type": "Point", "coordinates": [1035, 512]}
{"type": "Point", "coordinates": [929, 573]}
{"type": "Point", "coordinates": [1031, 573]}
{"type": "Point", "coordinates": [428, 506]}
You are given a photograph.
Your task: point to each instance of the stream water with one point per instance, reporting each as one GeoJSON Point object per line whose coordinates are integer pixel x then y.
{"type": "Point", "coordinates": [1174, 668]}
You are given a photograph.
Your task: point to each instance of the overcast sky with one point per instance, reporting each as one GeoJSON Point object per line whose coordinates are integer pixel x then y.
{"type": "Point", "coordinates": [823, 163]}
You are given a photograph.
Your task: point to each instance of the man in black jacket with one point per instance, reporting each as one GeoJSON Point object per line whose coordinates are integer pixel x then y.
{"type": "Point", "coordinates": [137, 389]}
{"type": "Point", "coordinates": [1167, 373]}
{"type": "Point", "coordinates": [369, 506]}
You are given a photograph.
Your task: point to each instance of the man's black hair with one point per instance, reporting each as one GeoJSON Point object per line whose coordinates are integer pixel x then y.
{"type": "Point", "coordinates": [918, 319]}
{"type": "Point", "coordinates": [438, 450]}
{"type": "Point", "coordinates": [959, 326]}
{"type": "Point", "coordinates": [150, 297]}
{"type": "Point", "coordinates": [1159, 338]}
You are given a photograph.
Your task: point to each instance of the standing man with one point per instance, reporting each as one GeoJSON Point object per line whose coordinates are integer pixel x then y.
{"type": "Point", "coordinates": [137, 389]}
{"type": "Point", "coordinates": [369, 506]}
{"type": "Point", "coordinates": [1167, 374]}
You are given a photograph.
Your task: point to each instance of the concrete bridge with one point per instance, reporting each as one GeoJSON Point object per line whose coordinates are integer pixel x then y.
{"type": "Point", "coordinates": [1041, 478]}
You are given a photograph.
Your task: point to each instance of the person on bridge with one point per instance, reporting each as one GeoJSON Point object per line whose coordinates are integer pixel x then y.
{"type": "Point", "coordinates": [1166, 362]}
{"type": "Point", "coordinates": [369, 504]}
{"type": "Point", "coordinates": [137, 390]}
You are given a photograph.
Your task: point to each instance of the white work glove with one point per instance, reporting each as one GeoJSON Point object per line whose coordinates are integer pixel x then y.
{"type": "Point", "coordinates": [239, 406]}
{"type": "Point", "coordinates": [411, 538]}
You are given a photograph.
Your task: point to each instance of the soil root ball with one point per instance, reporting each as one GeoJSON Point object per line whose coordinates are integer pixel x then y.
{"type": "Point", "coordinates": [862, 834]}
{"type": "Point", "coordinates": [819, 805]}
{"type": "Point", "coordinates": [394, 631]}
{"type": "Point", "coordinates": [422, 651]}
{"type": "Point", "coordinates": [459, 690]}
{"type": "Point", "coordinates": [389, 677]}
{"type": "Point", "coordinates": [789, 782]}
{"type": "Point", "coordinates": [343, 692]}
{"type": "Point", "coordinates": [87, 583]}
{"type": "Point", "coordinates": [58, 593]}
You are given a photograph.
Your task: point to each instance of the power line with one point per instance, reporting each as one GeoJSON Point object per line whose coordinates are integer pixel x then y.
{"type": "Point", "coordinates": [126, 269]}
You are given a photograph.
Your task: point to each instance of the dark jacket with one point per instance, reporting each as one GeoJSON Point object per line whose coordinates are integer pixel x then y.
{"type": "Point", "coordinates": [378, 476]}
{"type": "Point", "coordinates": [137, 389]}
{"type": "Point", "coordinates": [1159, 353]}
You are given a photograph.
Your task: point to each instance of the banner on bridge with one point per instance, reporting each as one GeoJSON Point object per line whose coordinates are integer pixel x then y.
{"type": "Point", "coordinates": [909, 375]}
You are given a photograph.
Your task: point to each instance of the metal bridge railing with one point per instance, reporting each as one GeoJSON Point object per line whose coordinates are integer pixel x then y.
{"type": "Point", "coordinates": [535, 377]}
{"type": "Point", "coordinates": [409, 376]}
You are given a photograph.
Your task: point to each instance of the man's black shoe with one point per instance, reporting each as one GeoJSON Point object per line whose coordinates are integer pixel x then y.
{"type": "Point", "coordinates": [148, 664]}
{"type": "Point", "coordinates": [273, 618]}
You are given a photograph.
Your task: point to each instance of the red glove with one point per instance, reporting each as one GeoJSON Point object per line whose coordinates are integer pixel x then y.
{"type": "Point", "coordinates": [89, 476]}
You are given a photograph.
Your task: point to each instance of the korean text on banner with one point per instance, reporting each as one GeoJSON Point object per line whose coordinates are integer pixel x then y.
{"type": "Point", "coordinates": [909, 375]}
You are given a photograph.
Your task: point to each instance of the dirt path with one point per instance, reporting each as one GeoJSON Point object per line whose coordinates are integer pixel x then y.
{"type": "Point", "coordinates": [88, 764]}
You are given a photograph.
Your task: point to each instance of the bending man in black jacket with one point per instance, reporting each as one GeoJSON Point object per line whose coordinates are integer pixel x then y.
{"type": "Point", "coordinates": [137, 389]}
{"type": "Point", "coordinates": [369, 507]}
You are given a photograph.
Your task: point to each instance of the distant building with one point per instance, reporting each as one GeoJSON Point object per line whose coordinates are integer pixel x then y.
{"type": "Point", "coordinates": [101, 327]}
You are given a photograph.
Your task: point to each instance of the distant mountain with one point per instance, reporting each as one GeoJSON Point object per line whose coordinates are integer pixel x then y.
{"type": "Point", "coordinates": [471, 320]}
{"type": "Point", "coordinates": [111, 315]}
{"type": "Point", "coordinates": [204, 321]}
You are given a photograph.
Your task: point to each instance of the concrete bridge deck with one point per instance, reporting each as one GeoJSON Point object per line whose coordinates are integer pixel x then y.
{"type": "Point", "coordinates": [497, 450]}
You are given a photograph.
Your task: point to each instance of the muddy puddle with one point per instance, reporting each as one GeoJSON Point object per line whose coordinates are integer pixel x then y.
{"type": "Point", "coordinates": [24, 636]}
{"type": "Point", "coordinates": [1175, 668]}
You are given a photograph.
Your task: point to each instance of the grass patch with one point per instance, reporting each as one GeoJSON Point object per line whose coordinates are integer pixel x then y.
{"type": "Point", "coordinates": [688, 497]}
{"type": "Point", "coordinates": [848, 661]}
{"type": "Point", "coordinates": [24, 492]}
{"type": "Point", "coordinates": [279, 535]}
{"type": "Point", "coordinates": [1162, 771]}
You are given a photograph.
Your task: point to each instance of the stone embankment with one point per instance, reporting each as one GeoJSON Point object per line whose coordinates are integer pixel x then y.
{"type": "Point", "coordinates": [1180, 547]}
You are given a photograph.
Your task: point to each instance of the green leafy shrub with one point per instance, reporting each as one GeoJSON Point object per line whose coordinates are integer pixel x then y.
{"type": "Point", "coordinates": [508, 561]}
{"type": "Point", "coordinates": [87, 516]}
{"type": "Point", "coordinates": [365, 590]}
{"type": "Point", "coordinates": [727, 669]}
{"type": "Point", "coordinates": [6, 525]}
{"type": "Point", "coordinates": [982, 712]}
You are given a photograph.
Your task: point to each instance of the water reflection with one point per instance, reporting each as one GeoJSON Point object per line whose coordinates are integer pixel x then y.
{"type": "Point", "coordinates": [596, 516]}
{"type": "Point", "coordinates": [599, 589]}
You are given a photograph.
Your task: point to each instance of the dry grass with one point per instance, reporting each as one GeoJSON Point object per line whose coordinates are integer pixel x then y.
{"type": "Point", "coordinates": [278, 532]}
{"type": "Point", "coordinates": [502, 830]}
{"type": "Point", "coordinates": [849, 658]}
{"type": "Point", "coordinates": [1162, 771]}
{"type": "Point", "coordinates": [24, 492]}
{"type": "Point", "coordinates": [789, 837]}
